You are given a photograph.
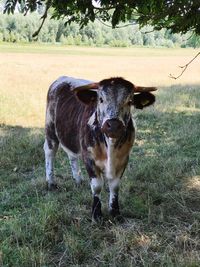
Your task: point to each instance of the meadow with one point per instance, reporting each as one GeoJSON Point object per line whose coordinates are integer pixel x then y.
{"type": "Point", "coordinates": [160, 190]}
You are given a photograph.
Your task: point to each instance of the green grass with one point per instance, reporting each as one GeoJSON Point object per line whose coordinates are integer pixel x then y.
{"type": "Point", "coordinates": [159, 197]}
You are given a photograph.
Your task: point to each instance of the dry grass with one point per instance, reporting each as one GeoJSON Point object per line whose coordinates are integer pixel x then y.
{"type": "Point", "coordinates": [160, 192]}
{"type": "Point", "coordinates": [25, 77]}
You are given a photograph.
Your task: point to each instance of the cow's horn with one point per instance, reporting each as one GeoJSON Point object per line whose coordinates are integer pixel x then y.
{"type": "Point", "coordinates": [87, 87]}
{"type": "Point", "coordinates": [143, 89]}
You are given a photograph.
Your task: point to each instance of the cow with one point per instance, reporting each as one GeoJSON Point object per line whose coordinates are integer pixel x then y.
{"type": "Point", "coordinates": [93, 121]}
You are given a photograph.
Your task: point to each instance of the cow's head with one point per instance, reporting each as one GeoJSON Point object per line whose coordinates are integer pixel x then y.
{"type": "Point", "coordinates": [113, 99]}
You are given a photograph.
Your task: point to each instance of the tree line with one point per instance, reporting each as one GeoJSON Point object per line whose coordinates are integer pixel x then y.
{"type": "Point", "coordinates": [20, 28]}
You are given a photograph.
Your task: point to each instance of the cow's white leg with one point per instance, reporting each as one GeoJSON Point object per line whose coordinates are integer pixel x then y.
{"type": "Point", "coordinates": [50, 153]}
{"type": "Point", "coordinates": [96, 187]}
{"type": "Point", "coordinates": [113, 199]}
{"type": "Point", "coordinates": [76, 172]}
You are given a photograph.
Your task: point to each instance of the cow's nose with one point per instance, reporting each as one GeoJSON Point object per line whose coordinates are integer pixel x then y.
{"type": "Point", "coordinates": [113, 124]}
{"type": "Point", "coordinates": [113, 128]}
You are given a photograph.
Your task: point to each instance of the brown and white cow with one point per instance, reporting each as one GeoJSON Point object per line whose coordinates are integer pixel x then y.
{"type": "Point", "coordinates": [93, 120]}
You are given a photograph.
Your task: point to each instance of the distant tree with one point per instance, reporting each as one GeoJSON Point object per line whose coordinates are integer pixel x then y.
{"type": "Point", "coordinates": [70, 40]}
{"type": "Point", "coordinates": [148, 39]}
{"type": "Point", "coordinates": [78, 39]}
{"type": "Point", "coordinates": [11, 24]}
{"type": "Point", "coordinates": [60, 31]}
{"type": "Point", "coordinates": [135, 35]}
{"type": "Point", "coordinates": [193, 41]}
{"type": "Point", "coordinates": [1, 36]}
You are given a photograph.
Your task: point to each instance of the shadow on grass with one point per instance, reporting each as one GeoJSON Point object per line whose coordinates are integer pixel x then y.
{"type": "Point", "coordinates": [21, 148]}
{"type": "Point", "coordinates": [166, 157]}
{"type": "Point", "coordinates": [22, 155]}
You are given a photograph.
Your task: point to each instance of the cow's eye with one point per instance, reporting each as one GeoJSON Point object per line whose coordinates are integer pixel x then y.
{"type": "Point", "coordinates": [101, 100]}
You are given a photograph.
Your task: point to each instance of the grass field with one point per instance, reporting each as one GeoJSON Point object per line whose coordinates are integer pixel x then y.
{"type": "Point", "coordinates": [160, 191]}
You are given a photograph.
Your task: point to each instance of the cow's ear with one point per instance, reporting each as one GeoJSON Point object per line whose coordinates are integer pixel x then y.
{"type": "Point", "coordinates": [143, 100]}
{"type": "Point", "coordinates": [87, 96]}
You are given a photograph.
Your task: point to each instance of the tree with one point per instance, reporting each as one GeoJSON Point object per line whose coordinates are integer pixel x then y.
{"type": "Point", "coordinates": [180, 16]}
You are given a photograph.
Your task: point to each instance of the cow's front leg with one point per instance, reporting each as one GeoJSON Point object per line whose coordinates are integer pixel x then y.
{"type": "Point", "coordinates": [113, 200]}
{"type": "Point", "coordinates": [96, 187]}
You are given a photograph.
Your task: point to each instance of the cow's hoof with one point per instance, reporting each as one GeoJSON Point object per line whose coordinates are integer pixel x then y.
{"type": "Point", "coordinates": [97, 219]}
{"type": "Point", "coordinates": [96, 210]}
{"type": "Point", "coordinates": [116, 216]}
{"type": "Point", "coordinates": [97, 215]}
{"type": "Point", "coordinates": [79, 182]}
{"type": "Point", "coordinates": [114, 212]}
{"type": "Point", "coordinates": [52, 187]}
{"type": "Point", "coordinates": [119, 219]}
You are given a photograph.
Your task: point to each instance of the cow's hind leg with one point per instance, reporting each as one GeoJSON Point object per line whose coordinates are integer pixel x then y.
{"type": "Point", "coordinates": [50, 149]}
{"type": "Point", "coordinates": [76, 172]}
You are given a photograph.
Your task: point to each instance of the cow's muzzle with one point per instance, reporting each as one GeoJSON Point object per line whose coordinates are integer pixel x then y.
{"type": "Point", "coordinates": [113, 128]}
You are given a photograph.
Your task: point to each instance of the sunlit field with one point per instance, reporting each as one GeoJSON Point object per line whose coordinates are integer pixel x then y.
{"type": "Point", "coordinates": [160, 190]}
{"type": "Point", "coordinates": [27, 71]}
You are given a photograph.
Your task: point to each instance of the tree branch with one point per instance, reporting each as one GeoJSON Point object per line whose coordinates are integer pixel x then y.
{"type": "Point", "coordinates": [184, 67]}
{"type": "Point", "coordinates": [147, 32]}
{"type": "Point", "coordinates": [116, 27]}
{"type": "Point", "coordinates": [35, 34]}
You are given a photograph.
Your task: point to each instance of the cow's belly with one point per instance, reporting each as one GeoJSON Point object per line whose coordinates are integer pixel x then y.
{"type": "Point", "coordinates": [69, 141]}
{"type": "Point", "coordinates": [72, 153]}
